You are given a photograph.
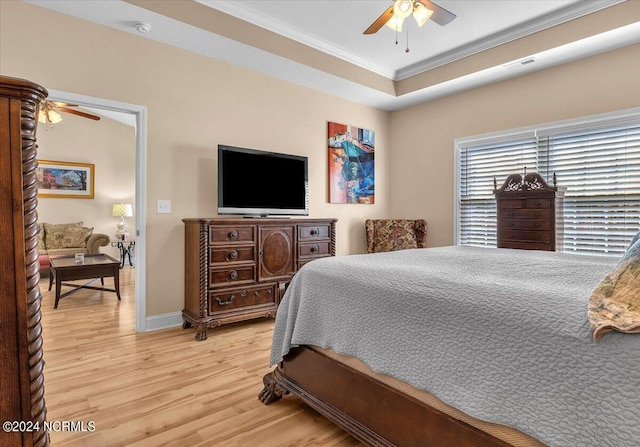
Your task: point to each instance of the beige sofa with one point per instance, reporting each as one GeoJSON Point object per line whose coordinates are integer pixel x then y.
{"type": "Point", "coordinates": [67, 239]}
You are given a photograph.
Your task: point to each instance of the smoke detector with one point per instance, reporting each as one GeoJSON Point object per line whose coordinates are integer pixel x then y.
{"type": "Point", "coordinates": [142, 27]}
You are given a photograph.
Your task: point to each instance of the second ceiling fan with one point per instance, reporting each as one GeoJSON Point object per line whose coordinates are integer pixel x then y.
{"type": "Point", "coordinates": [422, 11]}
{"type": "Point", "coordinates": [49, 112]}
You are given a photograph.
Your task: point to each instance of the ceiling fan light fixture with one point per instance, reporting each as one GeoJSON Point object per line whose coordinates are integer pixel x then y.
{"type": "Point", "coordinates": [421, 13]}
{"type": "Point", "coordinates": [53, 116]}
{"type": "Point", "coordinates": [422, 10]}
{"type": "Point", "coordinates": [42, 116]}
{"type": "Point", "coordinates": [402, 8]}
{"type": "Point", "coordinates": [395, 23]}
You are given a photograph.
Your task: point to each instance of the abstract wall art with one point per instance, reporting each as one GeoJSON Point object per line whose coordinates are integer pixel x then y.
{"type": "Point", "coordinates": [351, 164]}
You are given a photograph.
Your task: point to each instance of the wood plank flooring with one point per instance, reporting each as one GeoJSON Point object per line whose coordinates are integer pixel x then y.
{"type": "Point", "coordinates": [164, 388]}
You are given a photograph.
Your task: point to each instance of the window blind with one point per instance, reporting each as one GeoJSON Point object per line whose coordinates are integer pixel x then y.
{"type": "Point", "coordinates": [597, 165]}
{"type": "Point", "coordinates": [600, 170]}
{"type": "Point", "coordinates": [478, 167]}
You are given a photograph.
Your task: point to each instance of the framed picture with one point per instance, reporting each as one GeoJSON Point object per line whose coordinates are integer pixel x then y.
{"type": "Point", "coordinates": [62, 179]}
{"type": "Point", "coordinates": [351, 168]}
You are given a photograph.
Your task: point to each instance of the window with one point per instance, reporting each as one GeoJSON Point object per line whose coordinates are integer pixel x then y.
{"type": "Point", "coordinates": [596, 162]}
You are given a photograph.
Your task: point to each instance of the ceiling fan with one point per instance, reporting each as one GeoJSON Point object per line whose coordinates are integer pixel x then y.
{"type": "Point", "coordinates": [422, 11]}
{"type": "Point", "coordinates": [49, 112]}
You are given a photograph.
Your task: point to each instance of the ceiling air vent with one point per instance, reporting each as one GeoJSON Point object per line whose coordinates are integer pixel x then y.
{"type": "Point", "coordinates": [520, 63]}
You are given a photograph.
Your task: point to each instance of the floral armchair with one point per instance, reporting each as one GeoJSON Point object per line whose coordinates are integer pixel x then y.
{"type": "Point", "coordinates": [395, 234]}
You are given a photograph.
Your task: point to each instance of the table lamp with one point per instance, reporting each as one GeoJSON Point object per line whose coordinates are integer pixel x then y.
{"type": "Point", "coordinates": [122, 210]}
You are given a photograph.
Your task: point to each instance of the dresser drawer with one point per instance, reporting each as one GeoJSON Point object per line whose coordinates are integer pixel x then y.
{"type": "Point", "coordinates": [232, 254]}
{"type": "Point", "coordinates": [525, 214]}
{"type": "Point", "coordinates": [524, 224]}
{"type": "Point", "coordinates": [312, 232]}
{"type": "Point", "coordinates": [529, 236]}
{"type": "Point", "coordinates": [243, 297]}
{"type": "Point", "coordinates": [228, 234]}
{"type": "Point", "coordinates": [511, 204]}
{"type": "Point", "coordinates": [537, 203]}
{"type": "Point", "coordinates": [313, 249]}
{"type": "Point", "coordinates": [231, 275]}
{"type": "Point", "coordinates": [525, 245]}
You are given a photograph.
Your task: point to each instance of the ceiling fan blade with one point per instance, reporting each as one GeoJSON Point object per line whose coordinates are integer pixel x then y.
{"type": "Point", "coordinates": [79, 113]}
{"type": "Point", "coordinates": [61, 104]}
{"type": "Point", "coordinates": [380, 21]}
{"type": "Point", "coordinates": [440, 15]}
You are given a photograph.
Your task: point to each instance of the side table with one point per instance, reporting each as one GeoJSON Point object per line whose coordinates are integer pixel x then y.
{"type": "Point", "coordinates": [126, 251]}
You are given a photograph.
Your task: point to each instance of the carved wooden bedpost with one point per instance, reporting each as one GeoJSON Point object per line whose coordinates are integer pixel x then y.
{"type": "Point", "coordinates": [22, 384]}
{"type": "Point", "coordinates": [273, 388]}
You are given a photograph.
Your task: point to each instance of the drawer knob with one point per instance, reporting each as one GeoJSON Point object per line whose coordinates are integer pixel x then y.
{"type": "Point", "coordinates": [227, 302]}
{"type": "Point", "coordinates": [511, 214]}
{"type": "Point", "coordinates": [314, 249]}
{"type": "Point", "coordinates": [233, 274]}
{"type": "Point", "coordinates": [314, 232]}
{"type": "Point", "coordinates": [511, 224]}
{"type": "Point", "coordinates": [538, 214]}
{"type": "Point", "coordinates": [232, 255]}
{"type": "Point", "coordinates": [232, 235]}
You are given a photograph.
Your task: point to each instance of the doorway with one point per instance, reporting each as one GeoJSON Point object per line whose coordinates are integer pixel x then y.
{"type": "Point", "coordinates": [139, 114]}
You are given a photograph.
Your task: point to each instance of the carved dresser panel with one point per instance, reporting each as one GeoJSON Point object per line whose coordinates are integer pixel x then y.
{"type": "Point", "coordinates": [529, 213]}
{"type": "Point", "coordinates": [237, 269]}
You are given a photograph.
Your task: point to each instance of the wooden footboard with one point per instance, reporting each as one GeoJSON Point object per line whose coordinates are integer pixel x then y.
{"type": "Point", "coordinates": [370, 410]}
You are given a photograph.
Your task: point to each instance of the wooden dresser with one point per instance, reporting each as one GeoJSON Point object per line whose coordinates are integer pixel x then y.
{"type": "Point", "coordinates": [237, 269]}
{"type": "Point", "coordinates": [529, 213]}
{"type": "Point", "coordinates": [21, 355]}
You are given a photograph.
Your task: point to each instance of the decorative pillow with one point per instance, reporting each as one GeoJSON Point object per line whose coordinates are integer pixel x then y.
{"type": "Point", "coordinates": [41, 246]}
{"type": "Point", "coordinates": [614, 304]}
{"type": "Point", "coordinates": [54, 234]}
{"type": "Point", "coordinates": [634, 240]}
{"type": "Point", "coordinates": [74, 237]}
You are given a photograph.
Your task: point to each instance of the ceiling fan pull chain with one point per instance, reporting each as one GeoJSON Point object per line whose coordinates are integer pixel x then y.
{"type": "Point", "coordinates": [407, 50]}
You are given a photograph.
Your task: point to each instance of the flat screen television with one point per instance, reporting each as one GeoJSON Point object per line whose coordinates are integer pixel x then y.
{"type": "Point", "coordinates": [259, 183]}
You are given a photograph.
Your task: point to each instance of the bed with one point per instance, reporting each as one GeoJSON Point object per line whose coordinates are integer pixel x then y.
{"type": "Point", "coordinates": [457, 346]}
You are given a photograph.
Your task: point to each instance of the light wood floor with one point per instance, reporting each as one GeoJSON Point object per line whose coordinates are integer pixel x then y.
{"type": "Point", "coordinates": [164, 388]}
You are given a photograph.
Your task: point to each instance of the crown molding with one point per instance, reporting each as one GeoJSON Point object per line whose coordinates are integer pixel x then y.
{"type": "Point", "coordinates": [236, 9]}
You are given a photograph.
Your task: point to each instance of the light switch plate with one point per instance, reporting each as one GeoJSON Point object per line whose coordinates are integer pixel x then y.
{"type": "Point", "coordinates": [163, 206]}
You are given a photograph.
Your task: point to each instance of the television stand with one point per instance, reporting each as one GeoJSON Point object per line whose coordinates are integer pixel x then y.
{"type": "Point", "coordinates": [236, 269]}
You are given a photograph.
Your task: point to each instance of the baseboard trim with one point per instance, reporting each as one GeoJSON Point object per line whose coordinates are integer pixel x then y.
{"type": "Point", "coordinates": [163, 321]}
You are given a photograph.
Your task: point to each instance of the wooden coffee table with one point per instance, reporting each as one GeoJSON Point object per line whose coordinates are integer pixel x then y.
{"type": "Point", "coordinates": [95, 267]}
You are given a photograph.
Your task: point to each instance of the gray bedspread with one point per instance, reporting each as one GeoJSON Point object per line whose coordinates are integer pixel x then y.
{"type": "Point", "coordinates": [500, 334]}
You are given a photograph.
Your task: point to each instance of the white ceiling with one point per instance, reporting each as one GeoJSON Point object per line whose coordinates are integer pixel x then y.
{"type": "Point", "coordinates": [335, 27]}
